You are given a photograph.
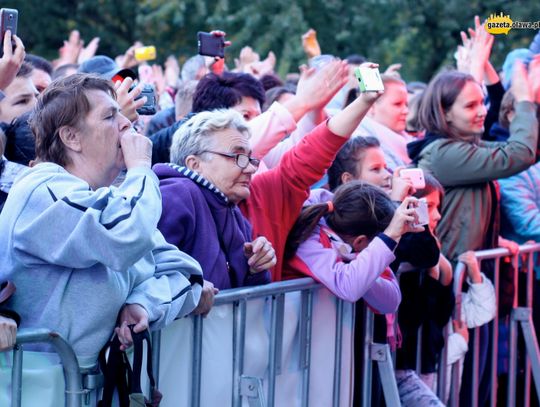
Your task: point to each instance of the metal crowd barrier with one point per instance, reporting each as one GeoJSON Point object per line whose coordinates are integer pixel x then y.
{"type": "Point", "coordinates": [521, 315]}
{"type": "Point", "coordinates": [72, 372]}
{"type": "Point", "coordinates": [252, 387]}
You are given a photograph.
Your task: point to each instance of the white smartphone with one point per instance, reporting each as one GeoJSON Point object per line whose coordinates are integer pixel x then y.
{"type": "Point", "coordinates": [369, 79]}
{"type": "Point", "coordinates": [415, 175]}
{"type": "Point", "coordinates": [422, 213]}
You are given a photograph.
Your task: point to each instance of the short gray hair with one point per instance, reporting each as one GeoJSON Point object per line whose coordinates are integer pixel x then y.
{"type": "Point", "coordinates": [197, 134]}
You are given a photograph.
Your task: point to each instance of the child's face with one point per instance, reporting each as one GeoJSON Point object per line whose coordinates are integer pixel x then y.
{"type": "Point", "coordinates": [433, 200]}
{"type": "Point", "coordinates": [372, 169]}
{"type": "Point", "coordinates": [392, 108]}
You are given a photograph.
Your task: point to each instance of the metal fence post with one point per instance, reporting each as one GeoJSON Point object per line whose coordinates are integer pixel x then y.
{"type": "Point", "coordinates": [367, 368]}
{"type": "Point", "coordinates": [196, 376]}
{"type": "Point", "coordinates": [239, 332]}
{"type": "Point", "coordinates": [337, 352]}
{"type": "Point", "coordinates": [276, 342]}
{"type": "Point", "coordinates": [305, 343]}
{"type": "Point", "coordinates": [70, 364]}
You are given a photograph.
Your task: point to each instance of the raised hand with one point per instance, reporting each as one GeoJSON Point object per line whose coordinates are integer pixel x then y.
{"type": "Point", "coordinates": [11, 61]}
{"type": "Point", "coordinates": [89, 51]}
{"type": "Point", "coordinates": [69, 52]}
{"type": "Point", "coordinates": [310, 44]}
{"type": "Point", "coordinates": [126, 98]}
{"type": "Point", "coordinates": [521, 88]}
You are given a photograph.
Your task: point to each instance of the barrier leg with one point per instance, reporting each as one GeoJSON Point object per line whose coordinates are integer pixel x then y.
{"type": "Point", "coordinates": [337, 352]}
{"type": "Point", "coordinates": [524, 316]}
{"type": "Point", "coordinates": [305, 343]}
{"type": "Point", "coordinates": [156, 353]}
{"type": "Point", "coordinates": [367, 370]}
{"type": "Point", "coordinates": [197, 361]}
{"type": "Point", "coordinates": [276, 344]}
{"type": "Point", "coordinates": [380, 353]}
{"type": "Point", "coordinates": [239, 332]}
{"type": "Point", "coordinates": [16, 377]}
{"type": "Point", "coordinates": [443, 362]}
{"type": "Point", "coordinates": [252, 388]}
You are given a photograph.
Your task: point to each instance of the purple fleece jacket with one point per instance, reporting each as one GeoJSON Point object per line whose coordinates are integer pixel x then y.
{"type": "Point", "coordinates": [199, 220]}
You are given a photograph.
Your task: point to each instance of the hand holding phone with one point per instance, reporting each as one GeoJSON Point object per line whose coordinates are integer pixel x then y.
{"type": "Point", "coordinates": [210, 44]}
{"type": "Point", "coordinates": [422, 213]}
{"type": "Point", "coordinates": [415, 175]}
{"type": "Point", "coordinates": [8, 21]}
{"type": "Point", "coordinates": [369, 79]}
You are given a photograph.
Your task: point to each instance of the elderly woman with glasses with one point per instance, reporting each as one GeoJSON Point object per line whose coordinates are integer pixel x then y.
{"type": "Point", "coordinates": [209, 176]}
{"type": "Point", "coordinates": [212, 208]}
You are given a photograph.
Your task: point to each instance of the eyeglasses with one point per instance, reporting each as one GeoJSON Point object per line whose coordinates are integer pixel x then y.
{"type": "Point", "coordinates": [242, 160]}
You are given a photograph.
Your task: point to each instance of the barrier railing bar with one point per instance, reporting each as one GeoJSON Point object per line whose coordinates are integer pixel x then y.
{"type": "Point", "coordinates": [280, 304]}
{"type": "Point", "coordinates": [276, 319]}
{"type": "Point", "coordinates": [156, 353]}
{"type": "Point", "coordinates": [512, 364]}
{"type": "Point", "coordinates": [367, 368]}
{"type": "Point", "coordinates": [72, 372]}
{"type": "Point", "coordinates": [16, 377]}
{"type": "Point", "coordinates": [337, 352]}
{"type": "Point", "coordinates": [459, 276]}
{"type": "Point", "coordinates": [267, 290]}
{"type": "Point", "coordinates": [524, 316]}
{"type": "Point", "coordinates": [495, 336]}
{"type": "Point", "coordinates": [502, 252]}
{"type": "Point", "coordinates": [443, 363]}
{"type": "Point", "coordinates": [305, 343]}
{"type": "Point", "coordinates": [418, 350]}
{"type": "Point", "coordinates": [530, 282]}
{"type": "Point", "coordinates": [239, 332]}
{"type": "Point", "coordinates": [197, 361]}
{"type": "Point", "coordinates": [475, 367]}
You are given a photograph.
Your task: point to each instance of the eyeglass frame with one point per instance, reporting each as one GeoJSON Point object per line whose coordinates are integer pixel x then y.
{"type": "Point", "coordinates": [253, 161]}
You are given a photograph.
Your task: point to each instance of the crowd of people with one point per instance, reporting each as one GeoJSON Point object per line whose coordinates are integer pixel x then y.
{"type": "Point", "coordinates": [244, 178]}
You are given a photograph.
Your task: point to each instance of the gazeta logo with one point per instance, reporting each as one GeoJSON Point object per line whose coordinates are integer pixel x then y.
{"type": "Point", "coordinates": [498, 24]}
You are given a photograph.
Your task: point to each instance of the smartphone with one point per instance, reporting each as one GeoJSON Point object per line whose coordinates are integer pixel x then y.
{"type": "Point", "coordinates": [149, 107]}
{"type": "Point", "coordinates": [145, 53]}
{"type": "Point", "coordinates": [369, 79]}
{"type": "Point", "coordinates": [422, 213]}
{"type": "Point", "coordinates": [210, 45]}
{"type": "Point", "coordinates": [415, 175]}
{"type": "Point", "coordinates": [8, 20]}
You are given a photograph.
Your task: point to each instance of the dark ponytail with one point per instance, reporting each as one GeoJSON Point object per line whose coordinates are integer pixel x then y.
{"type": "Point", "coordinates": [303, 227]}
{"type": "Point", "coordinates": [359, 208]}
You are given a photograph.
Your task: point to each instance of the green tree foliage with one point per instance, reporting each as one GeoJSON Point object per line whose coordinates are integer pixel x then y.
{"type": "Point", "coordinates": [420, 35]}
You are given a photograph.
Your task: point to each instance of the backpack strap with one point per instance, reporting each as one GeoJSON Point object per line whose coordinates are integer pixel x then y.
{"type": "Point", "coordinates": [115, 369]}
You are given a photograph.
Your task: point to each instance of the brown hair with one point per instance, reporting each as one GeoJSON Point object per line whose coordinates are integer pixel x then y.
{"type": "Point", "coordinates": [437, 100]}
{"type": "Point", "coordinates": [348, 157]}
{"type": "Point", "coordinates": [359, 208]}
{"type": "Point", "coordinates": [64, 103]}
